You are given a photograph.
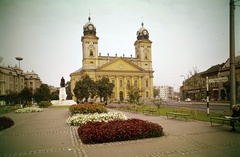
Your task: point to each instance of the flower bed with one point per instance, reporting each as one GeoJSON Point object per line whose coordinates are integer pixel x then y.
{"type": "Point", "coordinates": [80, 119]}
{"type": "Point", "coordinates": [87, 108]}
{"type": "Point", "coordinates": [28, 110]}
{"type": "Point", "coordinates": [118, 130]}
{"type": "Point", "coordinates": [5, 122]}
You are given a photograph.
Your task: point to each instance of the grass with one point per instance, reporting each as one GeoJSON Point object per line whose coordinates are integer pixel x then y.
{"type": "Point", "coordinates": [59, 107]}
{"type": "Point", "coordinates": [199, 115]}
{"type": "Point", "coordinates": [8, 109]}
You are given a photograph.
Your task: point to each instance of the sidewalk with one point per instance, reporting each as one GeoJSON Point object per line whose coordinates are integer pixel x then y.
{"type": "Point", "coordinates": [46, 134]}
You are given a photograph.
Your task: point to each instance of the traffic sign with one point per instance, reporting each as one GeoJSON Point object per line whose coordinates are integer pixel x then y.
{"type": "Point", "coordinates": [220, 79]}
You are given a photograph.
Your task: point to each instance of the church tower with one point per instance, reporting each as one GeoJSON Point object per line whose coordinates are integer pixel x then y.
{"type": "Point", "coordinates": [89, 46]}
{"type": "Point", "coordinates": [143, 50]}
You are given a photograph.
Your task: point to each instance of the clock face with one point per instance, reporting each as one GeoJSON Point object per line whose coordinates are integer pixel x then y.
{"type": "Point", "coordinates": [120, 66]}
{"type": "Point", "coordinates": [90, 27]}
{"type": "Point", "coordinates": [145, 32]}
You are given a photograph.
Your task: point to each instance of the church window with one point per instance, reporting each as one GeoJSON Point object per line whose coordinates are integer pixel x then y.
{"type": "Point", "coordinates": [146, 94]}
{"type": "Point", "coordinates": [91, 53]}
{"type": "Point", "coordinates": [128, 84]}
{"type": "Point", "coordinates": [120, 83]}
{"type": "Point", "coordinates": [135, 83]}
{"type": "Point", "coordinates": [147, 83]}
{"type": "Point", "coordinates": [146, 56]}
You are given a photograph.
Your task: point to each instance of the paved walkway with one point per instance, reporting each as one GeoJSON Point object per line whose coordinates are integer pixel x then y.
{"type": "Point", "coordinates": [46, 134]}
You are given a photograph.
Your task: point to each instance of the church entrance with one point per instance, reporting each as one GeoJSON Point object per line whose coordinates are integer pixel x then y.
{"type": "Point", "coordinates": [121, 95]}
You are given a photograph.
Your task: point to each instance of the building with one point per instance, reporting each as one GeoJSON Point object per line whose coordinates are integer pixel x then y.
{"type": "Point", "coordinates": [32, 80]}
{"type": "Point", "coordinates": [166, 92]}
{"type": "Point", "coordinates": [218, 77]}
{"type": "Point", "coordinates": [122, 71]}
{"type": "Point", "coordinates": [14, 79]}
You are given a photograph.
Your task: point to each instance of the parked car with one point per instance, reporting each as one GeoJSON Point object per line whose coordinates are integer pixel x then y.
{"type": "Point", "coordinates": [188, 100]}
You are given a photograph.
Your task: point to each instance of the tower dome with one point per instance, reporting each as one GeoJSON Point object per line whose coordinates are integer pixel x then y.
{"type": "Point", "coordinates": [89, 28]}
{"type": "Point", "coordinates": [142, 33]}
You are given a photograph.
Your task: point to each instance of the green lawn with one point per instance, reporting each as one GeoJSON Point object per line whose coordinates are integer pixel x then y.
{"type": "Point", "coordinates": [199, 115]}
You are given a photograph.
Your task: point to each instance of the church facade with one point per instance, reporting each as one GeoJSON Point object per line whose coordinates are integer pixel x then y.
{"type": "Point", "coordinates": [122, 71]}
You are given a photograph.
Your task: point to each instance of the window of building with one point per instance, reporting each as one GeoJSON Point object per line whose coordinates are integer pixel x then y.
{"type": "Point", "coordinates": [146, 94]}
{"type": "Point", "coordinates": [128, 84]}
{"type": "Point", "coordinates": [91, 53]}
{"type": "Point", "coordinates": [31, 83]}
{"type": "Point", "coordinates": [147, 83]}
{"type": "Point", "coordinates": [120, 83]}
{"type": "Point", "coordinates": [135, 83]}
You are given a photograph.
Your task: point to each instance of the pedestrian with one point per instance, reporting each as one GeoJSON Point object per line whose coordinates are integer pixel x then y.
{"type": "Point", "coordinates": [235, 117]}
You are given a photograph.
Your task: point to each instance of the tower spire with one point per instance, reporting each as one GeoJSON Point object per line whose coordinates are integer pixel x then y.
{"type": "Point", "coordinates": [89, 18]}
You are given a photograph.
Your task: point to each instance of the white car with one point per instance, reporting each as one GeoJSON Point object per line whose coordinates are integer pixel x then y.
{"type": "Point", "coordinates": [188, 100]}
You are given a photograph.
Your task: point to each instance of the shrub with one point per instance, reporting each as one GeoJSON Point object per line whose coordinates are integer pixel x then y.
{"type": "Point", "coordinates": [118, 130]}
{"type": "Point", "coordinates": [28, 110]}
{"type": "Point", "coordinates": [87, 108]}
{"type": "Point", "coordinates": [5, 122]}
{"type": "Point", "coordinates": [45, 104]}
{"type": "Point", "coordinates": [81, 119]}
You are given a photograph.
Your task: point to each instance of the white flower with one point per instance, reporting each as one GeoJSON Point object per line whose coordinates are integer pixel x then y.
{"type": "Point", "coordinates": [80, 119]}
{"type": "Point", "coordinates": [28, 110]}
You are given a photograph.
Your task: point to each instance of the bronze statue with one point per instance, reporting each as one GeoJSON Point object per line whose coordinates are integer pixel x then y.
{"type": "Point", "coordinates": [62, 84]}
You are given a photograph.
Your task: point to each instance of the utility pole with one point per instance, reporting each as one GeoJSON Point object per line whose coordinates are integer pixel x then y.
{"type": "Point", "coordinates": [232, 57]}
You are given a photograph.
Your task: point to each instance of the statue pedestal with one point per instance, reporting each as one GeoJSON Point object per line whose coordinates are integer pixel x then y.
{"type": "Point", "coordinates": [62, 99]}
{"type": "Point", "coordinates": [62, 94]}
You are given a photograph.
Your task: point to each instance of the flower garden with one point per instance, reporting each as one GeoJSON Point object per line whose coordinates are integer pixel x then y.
{"type": "Point", "coordinates": [96, 125]}
{"type": "Point", "coordinates": [28, 110]}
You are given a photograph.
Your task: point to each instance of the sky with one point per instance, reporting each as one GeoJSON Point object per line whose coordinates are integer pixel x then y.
{"type": "Point", "coordinates": [184, 34]}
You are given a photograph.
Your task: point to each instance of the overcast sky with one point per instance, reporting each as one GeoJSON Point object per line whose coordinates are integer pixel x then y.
{"type": "Point", "coordinates": [47, 34]}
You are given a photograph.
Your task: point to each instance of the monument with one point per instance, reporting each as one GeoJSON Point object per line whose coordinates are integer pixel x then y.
{"type": "Point", "coordinates": [62, 90]}
{"type": "Point", "coordinates": [62, 96]}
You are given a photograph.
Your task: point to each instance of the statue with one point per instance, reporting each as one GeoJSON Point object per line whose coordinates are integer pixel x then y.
{"type": "Point", "coordinates": [62, 84]}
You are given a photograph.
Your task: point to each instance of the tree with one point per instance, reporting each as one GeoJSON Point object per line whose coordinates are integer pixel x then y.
{"type": "Point", "coordinates": [55, 95]}
{"type": "Point", "coordinates": [85, 88]}
{"type": "Point", "coordinates": [68, 90]}
{"type": "Point", "coordinates": [104, 88]}
{"type": "Point", "coordinates": [42, 93]}
{"type": "Point", "coordinates": [155, 92]}
{"type": "Point", "coordinates": [134, 94]}
{"type": "Point", "coordinates": [26, 95]}
{"type": "Point", "coordinates": [11, 97]}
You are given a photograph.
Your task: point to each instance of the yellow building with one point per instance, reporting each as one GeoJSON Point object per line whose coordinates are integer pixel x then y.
{"type": "Point", "coordinates": [122, 71]}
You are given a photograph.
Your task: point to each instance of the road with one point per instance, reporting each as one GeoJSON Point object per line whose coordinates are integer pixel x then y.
{"type": "Point", "coordinates": [215, 107]}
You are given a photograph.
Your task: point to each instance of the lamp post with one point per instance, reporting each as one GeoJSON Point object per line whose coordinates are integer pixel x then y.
{"type": "Point", "coordinates": [19, 59]}
{"type": "Point", "coordinates": [19, 76]}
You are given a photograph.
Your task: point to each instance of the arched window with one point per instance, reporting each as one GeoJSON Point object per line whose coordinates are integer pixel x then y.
{"type": "Point", "coordinates": [91, 53]}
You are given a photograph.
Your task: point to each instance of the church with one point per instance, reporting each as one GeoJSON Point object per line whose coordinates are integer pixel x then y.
{"type": "Point", "coordinates": [122, 71]}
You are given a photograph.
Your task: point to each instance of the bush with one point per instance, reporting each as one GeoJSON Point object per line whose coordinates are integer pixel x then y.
{"type": "Point", "coordinates": [5, 122]}
{"type": "Point", "coordinates": [119, 130]}
{"type": "Point", "coordinates": [87, 108]}
{"type": "Point", "coordinates": [45, 104]}
{"type": "Point", "coordinates": [81, 119]}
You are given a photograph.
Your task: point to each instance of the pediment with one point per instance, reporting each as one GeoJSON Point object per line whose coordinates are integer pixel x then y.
{"type": "Point", "coordinates": [120, 64]}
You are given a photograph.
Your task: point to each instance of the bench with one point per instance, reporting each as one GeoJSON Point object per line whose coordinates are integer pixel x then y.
{"type": "Point", "coordinates": [150, 111]}
{"type": "Point", "coordinates": [224, 118]}
{"type": "Point", "coordinates": [181, 112]}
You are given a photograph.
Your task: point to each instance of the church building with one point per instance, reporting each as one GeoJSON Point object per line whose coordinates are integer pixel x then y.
{"type": "Point", "coordinates": [122, 71]}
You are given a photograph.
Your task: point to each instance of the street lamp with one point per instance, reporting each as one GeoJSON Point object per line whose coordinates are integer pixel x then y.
{"type": "Point", "coordinates": [19, 59]}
